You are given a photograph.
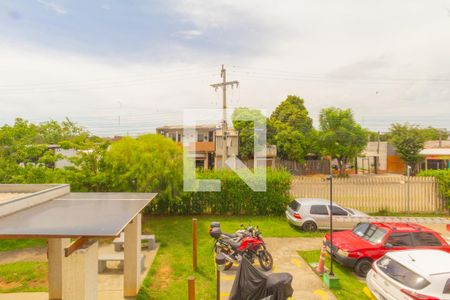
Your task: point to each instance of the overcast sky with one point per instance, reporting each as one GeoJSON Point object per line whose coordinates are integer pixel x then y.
{"type": "Point", "coordinates": [146, 61]}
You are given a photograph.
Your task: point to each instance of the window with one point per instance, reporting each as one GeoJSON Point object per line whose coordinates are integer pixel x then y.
{"type": "Point", "coordinates": [377, 236]}
{"type": "Point", "coordinates": [294, 205]}
{"type": "Point", "coordinates": [361, 229]}
{"type": "Point", "coordinates": [319, 210]}
{"type": "Point", "coordinates": [374, 234]}
{"type": "Point", "coordinates": [200, 138]}
{"type": "Point", "coordinates": [425, 239]}
{"type": "Point", "coordinates": [447, 287]}
{"type": "Point", "coordinates": [400, 239]}
{"type": "Point", "coordinates": [337, 211]}
{"type": "Point", "coordinates": [401, 274]}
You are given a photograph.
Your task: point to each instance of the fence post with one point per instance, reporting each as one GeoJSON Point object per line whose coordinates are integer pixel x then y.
{"type": "Point", "coordinates": [191, 288]}
{"type": "Point", "coordinates": [194, 244]}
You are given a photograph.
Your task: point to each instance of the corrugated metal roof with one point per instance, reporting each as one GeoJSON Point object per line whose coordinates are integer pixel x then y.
{"type": "Point", "coordinates": [435, 151]}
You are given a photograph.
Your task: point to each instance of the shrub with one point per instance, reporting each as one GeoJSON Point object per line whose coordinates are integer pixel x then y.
{"type": "Point", "coordinates": [443, 178]}
{"type": "Point", "coordinates": [238, 198]}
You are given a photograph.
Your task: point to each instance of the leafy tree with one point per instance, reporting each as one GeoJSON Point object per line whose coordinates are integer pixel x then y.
{"type": "Point", "coordinates": [246, 129]}
{"type": "Point", "coordinates": [88, 172]}
{"type": "Point", "coordinates": [150, 163]}
{"type": "Point", "coordinates": [340, 136]}
{"type": "Point", "coordinates": [433, 134]}
{"type": "Point", "coordinates": [408, 141]}
{"type": "Point", "coordinates": [291, 129]}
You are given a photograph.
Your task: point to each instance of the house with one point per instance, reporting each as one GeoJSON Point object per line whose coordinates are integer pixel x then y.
{"type": "Point", "coordinates": [204, 146]}
{"type": "Point", "coordinates": [380, 157]}
{"type": "Point", "coordinates": [232, 140]}
{"type": "Point", "coordinates": [209, 145]}
{"type": "Point", "coordinates": [436, 155]}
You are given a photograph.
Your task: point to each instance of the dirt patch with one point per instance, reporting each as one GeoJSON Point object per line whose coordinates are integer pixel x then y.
{"type": "Point", "coordinates": [164, 274]}
{"type": "Point", "coordinates": [9, 285]}
{"type": "Point", "coordinates": [38, 283]}
{"type": "Point", "coordinates": [30, 254]}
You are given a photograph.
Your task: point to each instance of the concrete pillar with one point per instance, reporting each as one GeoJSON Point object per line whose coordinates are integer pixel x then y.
{"type": "Point", "coordinates": [55, 253]}
{"type": "Point", "coordinates": [205, 162]}
{"type": "Point", "coordinates": [132, 255]}
{"type": "Point", "coordinates": [80, 272]}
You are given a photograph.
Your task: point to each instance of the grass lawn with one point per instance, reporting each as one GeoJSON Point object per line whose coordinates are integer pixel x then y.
{"type": "Point", "coordinates": [351, 287]}
{"type": "Point", "coordinates": [167, 278]}
{"type": "Point", "coordinates": [8, 245]}
{"type": "Point", "coordinates": [23, 277]}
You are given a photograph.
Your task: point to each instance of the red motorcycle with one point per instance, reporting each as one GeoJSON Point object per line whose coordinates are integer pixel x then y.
{"type": "Point", "coordinates": [246, 243]}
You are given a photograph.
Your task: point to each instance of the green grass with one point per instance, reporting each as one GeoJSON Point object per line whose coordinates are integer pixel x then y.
{"type": "Point", "coordinates": [167, 278]}
{"type": "Point", "coordinates": [351, 287]}
{"type": "Point", "coordinates": [23, 277]}
{"type": "Point", "coordinates": [8, 245]}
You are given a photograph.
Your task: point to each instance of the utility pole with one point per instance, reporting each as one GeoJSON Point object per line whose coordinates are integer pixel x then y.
{"type": "Point", "coordinates": [223, 85]}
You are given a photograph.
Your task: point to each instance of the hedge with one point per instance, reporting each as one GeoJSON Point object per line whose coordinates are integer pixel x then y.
{"type": "Point", "coordinates": [235, 196]}
{"type": "Point", "coordinates": [443, 177]}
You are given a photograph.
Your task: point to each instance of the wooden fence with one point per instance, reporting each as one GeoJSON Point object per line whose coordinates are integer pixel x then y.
{"type": "Point", "coordinates": [374, 193]}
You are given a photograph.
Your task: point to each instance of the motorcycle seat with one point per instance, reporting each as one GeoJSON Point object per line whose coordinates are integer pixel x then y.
{"type": "Point", "coordinates": [234, 244]}
{"type": "Point", "coordinates": [230, 235]}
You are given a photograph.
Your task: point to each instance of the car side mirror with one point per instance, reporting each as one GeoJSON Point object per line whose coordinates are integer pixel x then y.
{"type": "Point", "coordinates": [388, 245]}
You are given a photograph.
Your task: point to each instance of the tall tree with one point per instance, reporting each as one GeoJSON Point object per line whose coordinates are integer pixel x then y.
{"type": "Point", "coordinates": [241, 118]}
{"type": "Point", "coordinates": [408, 141]}
{"type": "Point", "coordinates": [291, 129]}
{"type": "Point", "coordinates": [149, 163]}
{"type": "Point", "coordinates": [340, 136]}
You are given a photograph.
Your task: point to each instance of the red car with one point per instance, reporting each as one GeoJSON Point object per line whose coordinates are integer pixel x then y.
{"type": "Point", "coordinates": [359, 247]}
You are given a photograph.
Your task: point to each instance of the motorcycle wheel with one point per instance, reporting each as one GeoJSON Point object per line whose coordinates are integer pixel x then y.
{"type": "Point", "coordinates": [228, 264]}
{"type": "Point", "coordinates": [265, 260]}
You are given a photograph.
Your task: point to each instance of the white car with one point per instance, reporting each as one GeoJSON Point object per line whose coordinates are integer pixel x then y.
{"type": "Point", "coordinates": [311, 214]}
{"type": "Point", "coordinates": [411, 275]}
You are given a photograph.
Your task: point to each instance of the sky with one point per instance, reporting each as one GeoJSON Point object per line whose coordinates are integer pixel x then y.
{"type": "Point", "coordinates": [126, 67]}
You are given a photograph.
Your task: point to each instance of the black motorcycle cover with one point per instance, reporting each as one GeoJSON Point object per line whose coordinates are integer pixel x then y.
{"type": "Point", "coordinates": [251, 284]}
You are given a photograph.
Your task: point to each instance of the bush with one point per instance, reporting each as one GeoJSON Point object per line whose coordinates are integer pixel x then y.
{"type": "Point", "coordinates": [238, 198]}
{"type": "Point", "coordinates": [443, 177]}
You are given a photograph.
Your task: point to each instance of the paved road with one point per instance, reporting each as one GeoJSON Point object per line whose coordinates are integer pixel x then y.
{"type": "Point", "coordinates": [306, 284]}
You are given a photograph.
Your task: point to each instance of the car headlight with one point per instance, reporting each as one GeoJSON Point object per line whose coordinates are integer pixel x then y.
{"type": "Point", "coordinates": [342, 253]}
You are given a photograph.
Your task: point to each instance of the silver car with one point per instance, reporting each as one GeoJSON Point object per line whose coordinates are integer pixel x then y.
{"type": "Point", "coordinates": [311, 214]}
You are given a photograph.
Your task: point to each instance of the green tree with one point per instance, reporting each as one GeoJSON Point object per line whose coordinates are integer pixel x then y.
{"type": "Point", "coordinates": [433, 134]}
{"type": "Point", "coordinates": [340, 136]}
{"type": "Point", "coordinates": [149, 163]}
{"type": "Point", "coordinates": [408, 141]}
{"type": "Point", "coordinates": [290, 129]}
{"type": "Point", "coordinates": [246, 129]}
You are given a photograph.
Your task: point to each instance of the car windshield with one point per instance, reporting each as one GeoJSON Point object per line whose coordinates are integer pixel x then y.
{"type": "Point", "coordinates": [401, 274]}
{"type": "Point", "coordinates": [350, 211]}
{"type": "Point", "coordinates": [294, 205]}
{"type": "Point", "coordinates": [370, 232]}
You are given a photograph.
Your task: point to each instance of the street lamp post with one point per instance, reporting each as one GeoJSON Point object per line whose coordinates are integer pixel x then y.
{"type": "Point", "coordinates": [408, 174]}
{"type": "Point", "coordinates": [220, 266]}
{"type": "Point", "coordinates": [330, 177]}
{"type": "Point", "coordinates": [330, 280]}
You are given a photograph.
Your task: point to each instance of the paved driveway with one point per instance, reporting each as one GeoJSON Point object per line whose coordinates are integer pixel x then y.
{"type": "Point", "coordinates": [306, 284]}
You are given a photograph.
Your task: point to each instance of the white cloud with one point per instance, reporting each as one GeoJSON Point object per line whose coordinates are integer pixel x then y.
{"type": "Point", "coordinates": [376, 57]}
{"type": "Point", "coordinates": [57, 8]}
{"type": "Point", "coordinates": [188, 34]}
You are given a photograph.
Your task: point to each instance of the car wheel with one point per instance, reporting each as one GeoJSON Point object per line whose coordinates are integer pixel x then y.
{"type": "Point", "coordinates": [309, 226]}
{"type": "Point", "coordinates": [363, 266]}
